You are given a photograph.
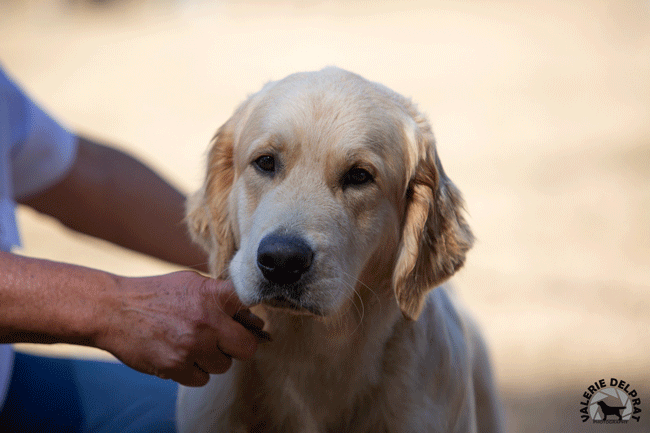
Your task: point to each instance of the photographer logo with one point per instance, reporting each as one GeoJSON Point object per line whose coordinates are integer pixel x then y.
{"type": "Point", "coordinates": [613, 402]}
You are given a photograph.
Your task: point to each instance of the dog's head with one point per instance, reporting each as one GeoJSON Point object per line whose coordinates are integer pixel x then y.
{"type": "Point", "coordinates": [323, 184]}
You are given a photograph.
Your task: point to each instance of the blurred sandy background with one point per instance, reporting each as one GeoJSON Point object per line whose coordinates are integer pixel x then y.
{"type": "Point", "coordinates": [542, 115]}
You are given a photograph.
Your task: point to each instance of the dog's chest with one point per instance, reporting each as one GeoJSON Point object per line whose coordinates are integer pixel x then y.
{"type": "Point", "coordinates": [305, 398]}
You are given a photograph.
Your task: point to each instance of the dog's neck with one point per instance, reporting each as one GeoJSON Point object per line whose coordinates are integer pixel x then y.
{"type": "Point", "coordinates": [335, 361]}
{"type": "Point", "coordinates": [360, 330]}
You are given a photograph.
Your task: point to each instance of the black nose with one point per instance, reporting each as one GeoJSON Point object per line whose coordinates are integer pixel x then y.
{"type": "Point", "coordinates": [283, 259]}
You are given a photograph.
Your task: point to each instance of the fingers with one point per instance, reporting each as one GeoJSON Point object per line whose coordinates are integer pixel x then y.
{"type": "Point", "coordinates": [194, 376]}
{"type": "Point", "coordinates": [248, 319]}
{"type": "Point", "coordinates": [199, 378]}
{"type": "Point", "coordinates": [221, 338]}
{"type": "Point", "coordinates": [194, 373]}
{"type": "Point", "coordinates": [183, 326]}
{"type": "Point", "coordinates": [253, 324]}
{"type": "Point", "coordinates": [221, 329]}
{"type": "Point", "coordinates": [228, 338]}
{"type": "Point", "coordinates": [216, 364]}
{"type": "Point", "coordinates": [233, 340]}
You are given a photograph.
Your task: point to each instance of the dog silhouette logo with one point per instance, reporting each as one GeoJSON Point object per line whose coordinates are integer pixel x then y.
{"type": "Point", "coordinates": [609, 410]}
{"type": "Point", "coordinates": [614, 404]}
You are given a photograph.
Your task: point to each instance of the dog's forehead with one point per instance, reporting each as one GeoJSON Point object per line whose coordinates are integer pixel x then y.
{"type": "Point", "coordinates": [333, 109]}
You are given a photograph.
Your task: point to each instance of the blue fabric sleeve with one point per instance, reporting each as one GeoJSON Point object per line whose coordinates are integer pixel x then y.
{"type": "Point", "coordinates": [35, 152]}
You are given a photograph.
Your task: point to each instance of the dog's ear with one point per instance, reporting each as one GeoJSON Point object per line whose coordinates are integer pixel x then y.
{"type": "Point", "coordinates": [208, 212]}
{"type": "Point", "coordinates": [435, 236]}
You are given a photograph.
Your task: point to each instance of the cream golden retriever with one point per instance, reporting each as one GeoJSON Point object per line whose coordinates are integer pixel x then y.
{"type": "Point", "coordinates": [326, 204]}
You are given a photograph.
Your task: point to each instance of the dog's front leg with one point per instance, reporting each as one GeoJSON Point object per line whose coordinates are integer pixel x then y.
{"type": "Point", "coordinates": [209, 408]}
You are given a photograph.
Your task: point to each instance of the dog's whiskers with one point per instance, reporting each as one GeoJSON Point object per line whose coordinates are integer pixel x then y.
{"type": "Point", "coordinates": [366, 287]}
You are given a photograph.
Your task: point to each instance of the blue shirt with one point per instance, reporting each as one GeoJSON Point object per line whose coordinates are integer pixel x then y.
{"type": "Point", "coordinates": [35, 153]}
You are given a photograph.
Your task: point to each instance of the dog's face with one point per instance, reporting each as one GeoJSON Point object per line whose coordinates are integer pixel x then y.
{"type": "Point", "coordinates": [324, 184]}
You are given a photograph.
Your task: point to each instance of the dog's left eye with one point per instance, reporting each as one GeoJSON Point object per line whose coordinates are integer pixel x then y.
{"type": "Point", "coordinates": [265, 163]}
{"type": "Point", "coordinates": [357, 176]}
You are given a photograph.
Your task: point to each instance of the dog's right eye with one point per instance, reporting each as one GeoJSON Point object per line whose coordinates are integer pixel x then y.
{"type": "Point", "coordinates": [357, 176]}
{"type": "Point", "coordinates": [265, 163]}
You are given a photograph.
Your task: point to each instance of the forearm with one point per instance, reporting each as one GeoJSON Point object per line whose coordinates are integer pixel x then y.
{"type": "Point", "coordinates": [111, 195]}
{"type": "Point", "coordinates": [179, 326]}
{"type": "Point", "coordinates": [48, 302]}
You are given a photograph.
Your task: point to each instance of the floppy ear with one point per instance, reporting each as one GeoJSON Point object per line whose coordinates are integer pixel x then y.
{"type": "Point", "coordinates": [208, 213]}
{"type": "Point", "coordinates": [435, 236]}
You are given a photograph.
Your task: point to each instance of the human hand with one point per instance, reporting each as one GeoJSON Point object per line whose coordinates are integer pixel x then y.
{"type": "Point", "coordinates": [178, 326]}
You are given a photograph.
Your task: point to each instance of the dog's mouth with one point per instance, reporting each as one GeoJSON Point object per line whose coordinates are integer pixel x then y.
{"type": "Point", "coordinates": [291, 306]}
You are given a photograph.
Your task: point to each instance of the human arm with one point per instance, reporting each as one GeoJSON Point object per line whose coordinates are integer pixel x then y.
{"type": "Point", "coordinates": [178, 326]}
{"type": "Point", "coordinates": [158, 325]}
{"type": "Point", "coordinates": [111, 195]}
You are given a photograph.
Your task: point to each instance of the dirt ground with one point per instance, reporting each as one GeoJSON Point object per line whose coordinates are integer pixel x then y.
{"type": "Point", "coordinates": [542, 115]}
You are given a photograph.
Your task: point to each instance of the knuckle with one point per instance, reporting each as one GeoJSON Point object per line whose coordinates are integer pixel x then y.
{"type": "Point", "coordinates": [185, 343]}
{"type": "Point", "coordinates": [175, 362]}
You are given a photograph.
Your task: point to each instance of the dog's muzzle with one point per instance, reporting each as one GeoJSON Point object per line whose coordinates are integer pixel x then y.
{"type": "Point", "coordinates": [285, 262]}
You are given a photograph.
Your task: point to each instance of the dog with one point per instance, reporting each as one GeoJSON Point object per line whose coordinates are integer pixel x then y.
{"type": "Point", "coordinates": [610, 410]}
{"type": "Point", "coordinates": [326, 204]}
